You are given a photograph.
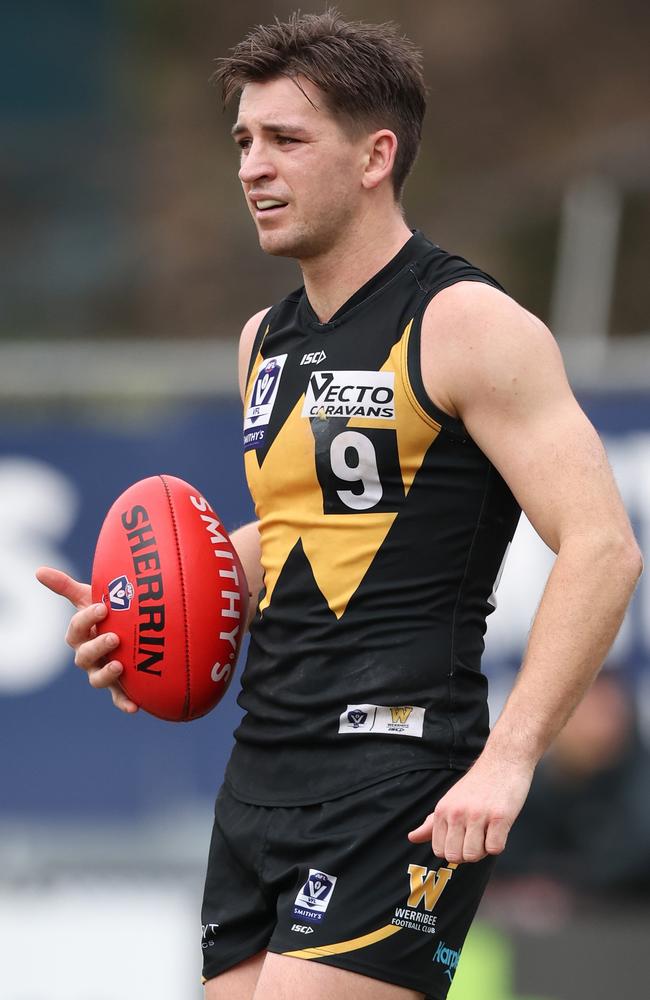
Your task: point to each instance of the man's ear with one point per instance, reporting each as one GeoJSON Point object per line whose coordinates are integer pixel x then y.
{"type": "Point", "coordinates": [381, 151]}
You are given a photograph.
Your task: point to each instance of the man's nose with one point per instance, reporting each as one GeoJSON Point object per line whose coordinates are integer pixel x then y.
{"type": "Point", "coordinates": [256, 165]}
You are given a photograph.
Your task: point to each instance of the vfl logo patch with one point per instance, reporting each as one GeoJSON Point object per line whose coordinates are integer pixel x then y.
{"type": "Point", "coordinates": [394, 720]}
{"type": "Point", "coordinates": [350, 394]}
{"type": "Point", "coordinates": [120, 593]}
{"type": "Point", "coordinates": [262, 400]}
{"type": "Point", "coordinates": [314, 897]}
{"type": "Point", "coordinates": [356, 718]}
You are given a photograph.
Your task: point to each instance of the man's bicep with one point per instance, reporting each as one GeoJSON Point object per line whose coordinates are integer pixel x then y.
{"type": "Point", "coordinates": [509, 387]}
{"type": "Point", "coordinates": [556, 466]}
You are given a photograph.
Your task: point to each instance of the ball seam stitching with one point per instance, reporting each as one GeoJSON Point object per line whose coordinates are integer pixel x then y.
{"type": "Point", "coordinates": [188, 676]}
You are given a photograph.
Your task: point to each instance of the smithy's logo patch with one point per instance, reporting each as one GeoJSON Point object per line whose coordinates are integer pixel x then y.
{"type": "Point", "coordinates": [350, 394]}
{"type": "Point", "coordinates": [120, 593]}
{"type": "Point", "coordinates": [261, 401]}
{"type": "Point", "coordinates": [314, 897]}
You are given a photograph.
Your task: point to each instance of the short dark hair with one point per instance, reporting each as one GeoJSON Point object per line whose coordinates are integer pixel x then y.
{"type": "Point", "coordinates": [370, 74]}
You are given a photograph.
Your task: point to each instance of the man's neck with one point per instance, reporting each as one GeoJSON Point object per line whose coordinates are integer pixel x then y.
{"type": "Point", "coordinates": [332, 278]}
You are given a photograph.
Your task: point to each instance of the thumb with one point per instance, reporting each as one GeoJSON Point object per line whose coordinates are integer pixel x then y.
{"type": "Point", "coordinates": [423, 832]}
{"type": "Point", "coordinates": [77, 593]}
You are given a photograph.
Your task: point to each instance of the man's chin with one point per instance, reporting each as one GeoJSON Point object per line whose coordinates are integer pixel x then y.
{"type": "Point", "coordinates": [278, 244]}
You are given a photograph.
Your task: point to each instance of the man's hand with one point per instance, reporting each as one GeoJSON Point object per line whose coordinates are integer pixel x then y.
{"type": "Point", "coordinates": [93, 653]}
{"type": "Point", "coordinates": [475, 816]}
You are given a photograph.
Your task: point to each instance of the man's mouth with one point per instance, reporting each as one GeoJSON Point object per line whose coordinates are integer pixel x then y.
{"type": "Point", "coordinates": [268, 204]}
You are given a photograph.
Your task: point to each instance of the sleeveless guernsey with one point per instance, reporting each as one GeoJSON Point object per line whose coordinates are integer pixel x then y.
{"type": "Point", "coordinates": [383, 530]}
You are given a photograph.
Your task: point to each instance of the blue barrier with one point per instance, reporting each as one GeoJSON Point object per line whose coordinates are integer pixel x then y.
{"type": "Point", "coordinates": [66, 751]}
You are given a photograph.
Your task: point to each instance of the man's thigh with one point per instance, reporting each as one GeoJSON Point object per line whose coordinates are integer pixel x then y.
{"type": "Point", "coordinates": [283, 978]}
{"type": "Point", "coordinates": [276, 977]}
{"type": "Point", "coordinates": [237, 983]}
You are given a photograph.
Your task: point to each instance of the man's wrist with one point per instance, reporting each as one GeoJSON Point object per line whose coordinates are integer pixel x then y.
{"type": "Point", "coordinates": [520, 748]}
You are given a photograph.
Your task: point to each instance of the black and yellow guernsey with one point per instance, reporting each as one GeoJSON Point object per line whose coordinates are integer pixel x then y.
{"type": "Point", "coordinates": [383, 530]}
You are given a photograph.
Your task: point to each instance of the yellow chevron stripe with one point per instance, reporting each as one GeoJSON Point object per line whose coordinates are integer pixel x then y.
{"type": "Point", "coordinates": [344, 946]}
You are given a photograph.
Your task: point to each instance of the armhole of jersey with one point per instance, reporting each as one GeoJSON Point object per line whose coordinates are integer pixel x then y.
{"type": "Point", "coordinates": [258, 340]}
{"type": "Point", "coordinates": [413, 367]}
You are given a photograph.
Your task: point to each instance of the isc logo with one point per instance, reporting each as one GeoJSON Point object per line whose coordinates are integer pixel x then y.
{"type": "Point", "coordinates": [313, 359]}
{"type": "Point", "coordinates": [301, 929]}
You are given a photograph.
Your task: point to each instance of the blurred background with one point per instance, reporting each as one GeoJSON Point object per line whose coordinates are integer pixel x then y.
{"type": "Point", "coordinates": [128, 264]}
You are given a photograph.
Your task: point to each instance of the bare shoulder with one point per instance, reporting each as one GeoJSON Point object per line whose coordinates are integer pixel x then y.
{"type": "Point", "coordinates": [249, 331]}
{"type": "Point", "coordinates": [497, 367]}
{"type": "Point", "coordinates": [478, 342]}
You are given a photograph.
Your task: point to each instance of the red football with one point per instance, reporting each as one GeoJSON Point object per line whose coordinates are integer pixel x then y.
{"type": "Point", "coordinates": [177, 597]}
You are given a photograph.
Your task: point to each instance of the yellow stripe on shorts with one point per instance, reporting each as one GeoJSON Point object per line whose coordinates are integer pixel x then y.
{"type": "Point", "coordinates": [344, 946]}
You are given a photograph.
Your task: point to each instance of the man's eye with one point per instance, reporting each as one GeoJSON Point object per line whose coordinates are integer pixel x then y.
{"type": "Point", "coordinates": [244, 143]}
{"type": "Point", "coordinates": [284, 140]}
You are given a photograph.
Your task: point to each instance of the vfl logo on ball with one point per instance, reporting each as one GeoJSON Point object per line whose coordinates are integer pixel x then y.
{"type": "Point", "coordinates": [120, 593]}
{"type": "Point", "coordinates": [261, 401]}
{"type": "Point", "coordinates": [314, 897]}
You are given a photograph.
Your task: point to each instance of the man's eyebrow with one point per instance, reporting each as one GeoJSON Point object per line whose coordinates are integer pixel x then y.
{"type": "Point", "coordinates": [273, 127]}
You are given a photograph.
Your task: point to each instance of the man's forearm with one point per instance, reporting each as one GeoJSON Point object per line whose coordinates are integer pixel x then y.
{"type": "Point", "coordinates": [578, 618]}
{"type": "Point", "coordinates": [247, 543]}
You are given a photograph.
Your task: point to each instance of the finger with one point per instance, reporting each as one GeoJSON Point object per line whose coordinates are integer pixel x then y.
{"type": "Point", "coordinates": [120, 699]}
{"type": "Point", "coordinates": [77, 593]}
{"type": "Point", "coordinates": [422, 833]}
{"type": "Point", "coordinates": [474, 843]}
{"type": "Point", "coordinates": [453, 845]}
{"type": "Point", "coordinates": [439, 835]}
{"type": "Point", "coordinates": [93, 655]}
{"type": "Point", "coordinates": [82, 625]}
{"type": "Point", "coordinates": [496, 835]}
{"type": "Point", "coordinates": [105, 676]}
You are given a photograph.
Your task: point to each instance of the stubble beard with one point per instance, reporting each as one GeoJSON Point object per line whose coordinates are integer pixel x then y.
{"type": "Point", "coordinates": [304, 241]}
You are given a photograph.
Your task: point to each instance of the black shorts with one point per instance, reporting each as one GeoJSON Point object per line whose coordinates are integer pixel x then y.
{"type": "Point", "coordinates": [340, 883]}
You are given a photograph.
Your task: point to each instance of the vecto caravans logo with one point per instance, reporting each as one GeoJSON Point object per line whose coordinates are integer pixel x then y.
{"type": "Point", "coordinates": [350, 394]}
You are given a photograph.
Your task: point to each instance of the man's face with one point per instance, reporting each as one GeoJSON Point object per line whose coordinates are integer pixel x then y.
{"type": "Point", "coordinates": [301, 173]}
